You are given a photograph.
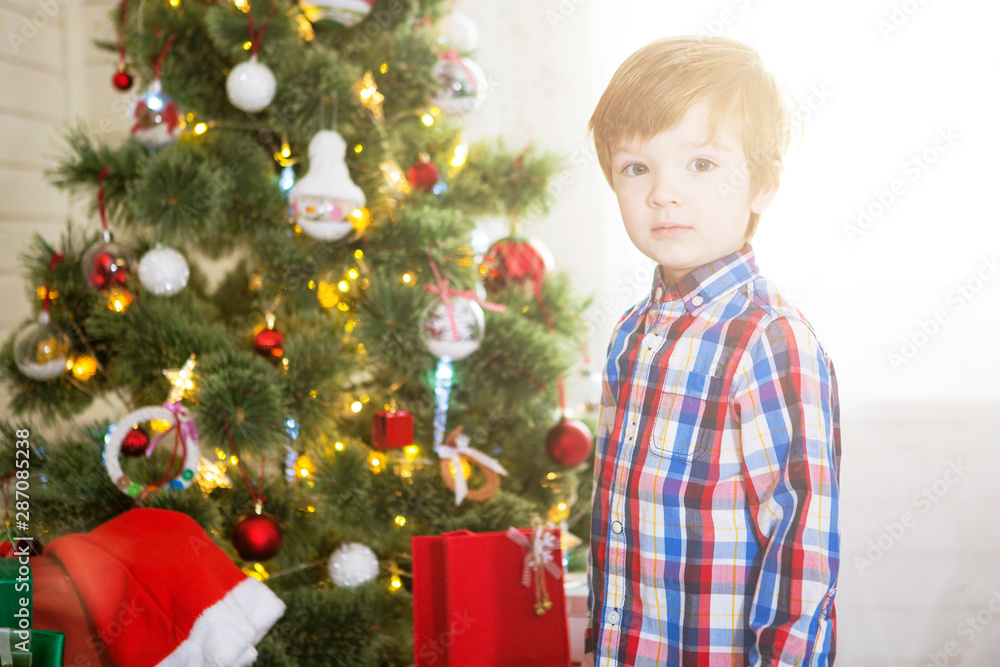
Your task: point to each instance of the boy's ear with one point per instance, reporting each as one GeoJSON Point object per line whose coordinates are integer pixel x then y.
{"type": "Point", "coordinates": [768, 190]}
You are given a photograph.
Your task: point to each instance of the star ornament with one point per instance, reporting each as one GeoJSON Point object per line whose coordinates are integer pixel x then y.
{"type": "Point", "coordinates": [181, 381]}
{"type": "Point", "coordinates": [370, 98]}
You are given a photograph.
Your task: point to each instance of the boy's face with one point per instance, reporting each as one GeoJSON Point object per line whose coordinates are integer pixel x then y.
{"type": "Point", "coordinates": [685, 203]}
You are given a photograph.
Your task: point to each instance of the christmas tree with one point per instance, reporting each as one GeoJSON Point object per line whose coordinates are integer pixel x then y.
{"type": "Point", "coordinates": [308, 408]}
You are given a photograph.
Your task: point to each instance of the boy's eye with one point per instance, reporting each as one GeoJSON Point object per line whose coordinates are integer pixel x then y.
{"type": "Point", "coordinates": [634, 169]}
{"type": "Point", "coordinates": [702, 164]}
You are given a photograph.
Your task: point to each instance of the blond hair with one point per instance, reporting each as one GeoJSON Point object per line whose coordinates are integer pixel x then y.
{"type": "Point", "coordinates": [656, 85]}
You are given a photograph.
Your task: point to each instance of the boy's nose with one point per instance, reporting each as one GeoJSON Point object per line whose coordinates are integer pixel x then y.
{"type": "Point", "coordinates": [664, 191]}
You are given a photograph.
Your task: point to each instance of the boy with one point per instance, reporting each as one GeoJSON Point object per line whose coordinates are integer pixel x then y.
{"type": "Point", "coordinates": [715, 536]}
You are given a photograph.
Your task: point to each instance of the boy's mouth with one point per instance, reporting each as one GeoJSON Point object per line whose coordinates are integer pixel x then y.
{"type": "Point", "coordinates": [668, 230]}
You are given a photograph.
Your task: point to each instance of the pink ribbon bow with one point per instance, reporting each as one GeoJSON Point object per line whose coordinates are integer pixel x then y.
{"type": "Point", "coordinates": [444, 290]}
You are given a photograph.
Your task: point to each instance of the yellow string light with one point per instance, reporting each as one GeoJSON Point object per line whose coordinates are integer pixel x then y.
{"type": "Point", "coordinates": [339, 446]}
{"type": "Point", "coordinates": [408, 278]}
{"type": "Point", "coordinates": [42, 292]}
{"type": "Point", "coordinates": [304, 466]}
{"type": "Point", "coordinates": [427, 119]}
{"type": "Point", "coordinates": [356, 406]}
{"type": "Point", "coordinates": [327, 295]}
{"type": "Point", "coordinates": [119, 299]}
{"type": "Point", "coordinates": [400, 520]}
{"type": "Point", "coordinates": [84, 367]}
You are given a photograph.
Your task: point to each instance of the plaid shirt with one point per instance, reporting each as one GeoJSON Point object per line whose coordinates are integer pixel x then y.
{"type": "Point", "coordinates": [715, 537]}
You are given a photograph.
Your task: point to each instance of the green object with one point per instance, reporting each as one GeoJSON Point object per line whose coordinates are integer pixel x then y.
{"type": "Point", "coordinates": [45, 649]}
{"type": "Point", "coordinates": [15, 588]}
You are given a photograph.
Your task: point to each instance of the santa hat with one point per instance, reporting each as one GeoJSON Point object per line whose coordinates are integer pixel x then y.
{"type": "Point", "coordinates": [157, 591]}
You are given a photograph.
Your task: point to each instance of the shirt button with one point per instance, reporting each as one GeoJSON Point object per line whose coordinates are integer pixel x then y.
{"type": "Point", "coordinates": [613, 617]}
{"type": "Point", "coordinates": [651, 341]}
{"type": "Point", "coordinates": [696, 300]}
{"type": "Point", "coordinates": [617, 527]}
{"type": "Point", "coordinates": [630, 431]}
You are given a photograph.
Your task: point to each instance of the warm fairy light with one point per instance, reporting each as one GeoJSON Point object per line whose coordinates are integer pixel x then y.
{"type": "Point", "coordinates": [352, 274]}
{"type": "Point", "coordinates": [361, 219]}
{"type": "Point", "coordinates": [351, 323]}
{"type": "Point", "coordinates": [461, 153]}
{"type": "Point", "coordinates": [200, 128]}
{"type": "Point", "coordinates": [358, 254]}
{"type": "Point", "coordinates": [343, 285]}
{"type": "Point", "coordinates": [284, 156]}
{"type": "Point", "coordinates": [234, 459]}
{"type": "Point", "coordinates": [466, 468]}
{"type": "Point", "coordinates": [181, 380]}
{"type": "Point", "coordinates": [310, 509]}
{"type": "Point", "coordinates": [356, 406]}
{"type": "Point", "coordinates": [175, 3]}
{"type": "Point", "coordinates": [243, 5]}
{"type": "Point", "coordinates": [383, 68]}
{"type": "Point", "coordinates": [358, 148]}
{"type": "Point", "coordinates": [42, 292]}
{"type": "Point", "coordinates": [407, 278]}
{"type": "Point", "coordinates": [400, 520]}
{"type": "Point", "coordinates": [221, 454]}
{"type": "Point", "coordinates": [304, 466]}
{"type": "Point", "coordinates": [119, 299]}
{"type": "Point", "coordinates": [339, 446]}
{"type": "Point", "coordinates": [343, 307]}
{"type": "Point", "coordinates": [427, 119]}
{"type": "Point", "coordinates": [362, 349]}
{"type": "Point", "coordinates": [256, 571]}
{"type": "Point", "coordinates": [327, 295]}
{"type": "Point", "coordinates": [84, 367]}
{"type": "Point", "coordinates": [312, 284]}
{"type": "Point", "coordinates": [247, 46]}
{"type": "Point", "coordinates": [375, 463]}
{"type": "Point", "coordinates": [395, 583]}
{"type": "Point", "coordinates": [370, 98]}
{"type": "Point", "coordinates": [412, 450]}
{"type": "Point", "coordinates": [551, 475]}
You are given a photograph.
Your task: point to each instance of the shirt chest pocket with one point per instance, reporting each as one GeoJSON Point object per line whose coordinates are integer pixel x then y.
{"type": "Point", "coordinates": [688, 415]}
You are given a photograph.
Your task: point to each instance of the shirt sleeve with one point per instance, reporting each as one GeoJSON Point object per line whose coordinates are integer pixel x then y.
{"type": "Point", "coordinates": [785, 400]}
{"type": "Point", "coordinates": [605, 424]}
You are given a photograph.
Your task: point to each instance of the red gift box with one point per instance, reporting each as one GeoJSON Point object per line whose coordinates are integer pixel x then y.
{"type": "Point", "coordinates": [470, 607]}
{"type": "Point", "coordinates": [392, 428]}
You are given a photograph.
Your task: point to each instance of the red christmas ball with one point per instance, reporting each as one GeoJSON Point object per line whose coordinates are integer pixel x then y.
{"type": "Point", "coordinates": [423, 175]}
{"type": "Point", "coordinates": [569, 443]}
{"type": "Point", "coordinates": [135, 443]}
{"type": "Point", "coordinates": [107, 270]}
{"type": "Point", "coordinates": [6, 549]}
{"type": "Point", "coordinates": [269, 343]}
{"type": "Point", "coordinates": [121, 80]}
{"type": "Point", "coordinates": [516, 260]}
{"type": "Point", "coordinates": [256, 537]}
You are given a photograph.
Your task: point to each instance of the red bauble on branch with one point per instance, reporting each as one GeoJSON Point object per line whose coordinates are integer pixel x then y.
{"type": "Point", "coordinates": [423, 175]}
{"type": "Point", "coordinates": [269, 343]}
{"type": "Point", "coordinates": [569, 443]}
{"type": "Point", "coordinates": [121, 80]}
{"type": "Point", "coordinates": [515, 260]}
{"type": "Point", "coordinates": [135, 443]}
{"type": "Point", "coordinates": [256, 537]}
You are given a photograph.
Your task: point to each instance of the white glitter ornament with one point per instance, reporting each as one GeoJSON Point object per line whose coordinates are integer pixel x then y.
{"type": "Point", "coordinates": [457, 32]}
{"type": "Point", "coordinates": [463, 85]}
{"type": "Point", "coordinates": [323, 199]}
{"type": "Point", "coordinates": [453, 335]}
{"type": "Point", "coordinates": [163, 271]}
{"type": "Point", "coordinates": [41, 350]}
{"type": "Point", "coordinates": [352, 565]}
{"type": "Point", "coordinates": [250, 85]}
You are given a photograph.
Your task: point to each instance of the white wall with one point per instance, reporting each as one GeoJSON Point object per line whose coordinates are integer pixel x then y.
{"type": "Point", "coordinates": [920, 542]}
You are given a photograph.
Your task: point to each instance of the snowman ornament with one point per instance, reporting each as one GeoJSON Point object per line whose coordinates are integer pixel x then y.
{"type": "Point", "coordinates": [322, 201]}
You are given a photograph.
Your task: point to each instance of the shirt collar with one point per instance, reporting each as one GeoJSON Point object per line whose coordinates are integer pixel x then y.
{"type": "Point", "coordinates": [706, 283]}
